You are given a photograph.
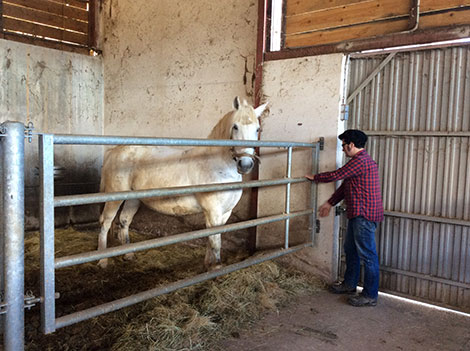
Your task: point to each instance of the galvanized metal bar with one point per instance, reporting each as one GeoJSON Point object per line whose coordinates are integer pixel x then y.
{"type": "Point", "coordinates": [369, 78]}
{"type": "Point", "coordinates": [169, 240]}
{"type": "Point", "coordinates": [428, 218]}
{"type": "Point", "coordinates": [2, 236]}
{"type": "Point", "coordinates": [428, 277]}
{"type": "Point", "coordinates": [46, 217]}
{"type": "Point", "coordinates": [13, 202]}
{"type": "Point", "coordinates": [72, 200]}
{"type": "Point", "coordinates": [121, 140]}
{"type": "Point", "coordinates": [287, 206]}
{"type": "Point", "coordinates": [313, 197]}
{"type": "Point", "coordinates": [133, 299]}
{"type": "Point", "coordinates": [397, 133]}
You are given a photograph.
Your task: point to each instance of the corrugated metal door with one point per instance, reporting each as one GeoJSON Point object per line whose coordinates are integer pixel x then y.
{"type": "Point", "coordinates": [416, 110]}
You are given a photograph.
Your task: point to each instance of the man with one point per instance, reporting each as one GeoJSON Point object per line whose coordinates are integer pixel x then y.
{"type": "Point", "coordinates": [361, 191]}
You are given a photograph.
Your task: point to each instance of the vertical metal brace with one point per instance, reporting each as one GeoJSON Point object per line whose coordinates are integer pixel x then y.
{"type": "Point", "coordinates": [46, 176]}
{"type": "Point", "coordinates": [287, 211]}
{"type": "Point", "coordinates": [2, 244]}
{"type": "Point", "coordinates": [13, 230]}
{"type": "Point", "coordinates": [314, 225]}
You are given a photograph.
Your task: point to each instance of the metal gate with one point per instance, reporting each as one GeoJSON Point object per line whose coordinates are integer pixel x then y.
{"type": "Point", "coordinates": [13, 256]}
{"type": "Point", "coordinates": [415, 106]}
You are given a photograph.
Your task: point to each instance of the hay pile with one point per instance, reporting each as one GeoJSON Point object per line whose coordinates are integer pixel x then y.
{"type": "Point", "coordinates": [193, 318]}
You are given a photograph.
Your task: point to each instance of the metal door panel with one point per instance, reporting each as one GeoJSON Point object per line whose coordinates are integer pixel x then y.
{"type": "Point", "coordinates": [416, 111]}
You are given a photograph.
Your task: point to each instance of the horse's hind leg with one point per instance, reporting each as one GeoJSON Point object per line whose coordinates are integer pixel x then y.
{"type": "Point", "coordinates": [106, 219]}
{"type": "Point", "coordinates": [127, 214]}
{"type": "Point", "coordinates": [212, 259]}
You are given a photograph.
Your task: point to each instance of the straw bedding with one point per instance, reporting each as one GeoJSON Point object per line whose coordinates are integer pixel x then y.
{"type": "Point", "coordinates": [193, 318]}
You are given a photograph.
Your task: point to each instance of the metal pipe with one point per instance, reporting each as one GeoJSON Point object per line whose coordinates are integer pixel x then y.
{"type": "Point", "coordinates": [2, 236]}
{"type": "Point", "coordinates": [428, 218]}
{"type": "Point", "coordinates": [313, 195]}
{"type": "Point", "coordinates": [46, 217]}
{"type": "Point", "coordinates": [71, 200]}
{"type": "Point", "coordinates": [417, 134]}
{"type": "Point", "coordinates": [13, 205]}
{"type": "Point", "coordinates": [369, 78]}
{"type": "Point", "coordinates": [287, 206]}
{"type": "Point", "coordinates": [169, 240]}
{"type": "Point", "coordinates": [133, 299]}
{"type": "Point", "coordinates": [121, 140]}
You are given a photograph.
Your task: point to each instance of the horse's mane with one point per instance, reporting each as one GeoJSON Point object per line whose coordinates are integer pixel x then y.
{"type": "Point", "coordinates": [244, 115]}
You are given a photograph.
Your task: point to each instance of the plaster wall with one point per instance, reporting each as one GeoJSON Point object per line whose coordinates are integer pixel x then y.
{"type": "Point", "coordinates": [304, 96]}
{"type": "Point", "coordinates": [173, 68]}
{"type": "Point", "coordinates": [59, 92]}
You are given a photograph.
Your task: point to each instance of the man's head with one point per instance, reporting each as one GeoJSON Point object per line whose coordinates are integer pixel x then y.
{"type": "Point", "coordinates": [353, 140]}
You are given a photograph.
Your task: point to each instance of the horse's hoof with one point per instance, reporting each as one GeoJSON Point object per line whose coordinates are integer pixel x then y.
{"type": "Point", "coordinates": [103, 263]}
{"type": "Point", "coordinates": [215, 267]}
{"type": "Point", "coordinates": [129, 256]}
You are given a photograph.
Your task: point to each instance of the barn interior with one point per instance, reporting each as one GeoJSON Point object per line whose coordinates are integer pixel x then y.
{"type": "Point", "coordinates": [395, 69]}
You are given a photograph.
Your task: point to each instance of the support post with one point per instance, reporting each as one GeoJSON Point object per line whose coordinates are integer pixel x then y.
{"type": "Point", "coordinates": [46, 214]}
{"type": "Point", "coordinates": [314, 192]}
{"type": "Point", "coordinates": [287, 208]}
{"type": "Point", "coordinates": [13, 229]}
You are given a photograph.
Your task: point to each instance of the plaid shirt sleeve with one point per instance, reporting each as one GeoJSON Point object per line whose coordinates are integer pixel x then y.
{"type": "Point", "coordinates": [360, 189]}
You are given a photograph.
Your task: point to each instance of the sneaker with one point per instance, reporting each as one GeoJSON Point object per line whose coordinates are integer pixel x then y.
{"type": "Point", "coordinates": [361, 300]}
{"type": "Point", "coordinates": [341, 288]}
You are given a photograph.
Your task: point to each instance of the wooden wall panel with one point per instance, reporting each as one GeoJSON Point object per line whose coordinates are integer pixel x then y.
{"type": "Point", "coordinates": [374, 29]}
{"type": "Point", "coordinates": [315, 22]}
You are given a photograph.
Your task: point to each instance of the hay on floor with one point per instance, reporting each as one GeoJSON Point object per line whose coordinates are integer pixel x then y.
{"type": "Point", "coordinates": [193, 318]}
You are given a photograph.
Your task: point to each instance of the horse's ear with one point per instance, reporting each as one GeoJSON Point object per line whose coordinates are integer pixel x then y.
{"type": "Point", "coordinates": [236, 103]}
{"type": "Point", "coordinates": [260, 109]}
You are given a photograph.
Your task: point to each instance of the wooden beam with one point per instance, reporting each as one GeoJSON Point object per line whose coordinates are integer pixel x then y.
{"type": "Point", "coordinates": [363, 12]}
{"type": "Point", "coordinates": [53, 7]}
{"type": "Point", "coordinates": [386, 41]}
{"type": "Point", "coordinates": [346, 34]}
{"type": "Point", "coordinates": [32, 15]}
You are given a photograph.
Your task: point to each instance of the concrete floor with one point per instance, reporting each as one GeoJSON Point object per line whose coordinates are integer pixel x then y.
{"type": "Point", "coordinates": [326, 322]}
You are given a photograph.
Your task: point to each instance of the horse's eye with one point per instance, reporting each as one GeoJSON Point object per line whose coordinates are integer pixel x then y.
{"type": "Point", "coordinates": [235, 127]}
{"type": "Point", "coordinates": [257, 130]}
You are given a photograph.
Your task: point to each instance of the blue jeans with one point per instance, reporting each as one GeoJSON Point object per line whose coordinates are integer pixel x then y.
{"type": "Point", "coordinates": [359, 245]}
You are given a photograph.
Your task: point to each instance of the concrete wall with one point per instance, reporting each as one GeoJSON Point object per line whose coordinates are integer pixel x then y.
{"type": "Point", "coordinates": [305, 98]}
{"type": "Point", "coordinates": [172, 68]}
{"type": "Point", "coordinates": [59, 92]}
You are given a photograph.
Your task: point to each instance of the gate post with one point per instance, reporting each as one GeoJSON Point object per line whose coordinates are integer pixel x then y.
{"type": "Point", "coordinates": [13, 231]}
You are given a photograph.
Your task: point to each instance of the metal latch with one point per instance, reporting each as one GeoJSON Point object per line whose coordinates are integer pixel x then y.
{"type": "Point", "coordinates": [344, 112]}
{"type": "Point", "coordinates": [28, 131]}
{"type": "Point", "coordinates": [29, 301]}
{"type": "Point", "coordinates": [339, 210]}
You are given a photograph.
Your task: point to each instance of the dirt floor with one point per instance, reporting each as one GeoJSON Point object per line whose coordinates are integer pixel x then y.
{"type": "Point", "coordinates": [326, 322]}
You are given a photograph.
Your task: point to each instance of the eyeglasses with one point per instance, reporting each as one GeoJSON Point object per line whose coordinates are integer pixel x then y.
{"type": "Point", "coordinates": [343, 145]}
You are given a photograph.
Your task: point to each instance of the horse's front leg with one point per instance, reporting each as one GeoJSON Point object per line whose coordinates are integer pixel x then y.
{"type": "Point", "coordinates": [213, 259]}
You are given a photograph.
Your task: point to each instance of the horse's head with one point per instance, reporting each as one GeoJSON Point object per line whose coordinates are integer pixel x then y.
{"type": "Point", "coordinates": [245, 126]}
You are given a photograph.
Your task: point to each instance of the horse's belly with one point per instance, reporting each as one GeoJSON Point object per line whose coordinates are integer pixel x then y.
{"type": "Point", "coordinates": [178, 206]}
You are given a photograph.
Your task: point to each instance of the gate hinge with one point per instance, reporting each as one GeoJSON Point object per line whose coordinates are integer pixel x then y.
{"type": "Point", "coordinates": [28, 131]}
{"type": "Point", "coordinates": [321, 141]}
{"type": "Point", "coordinates": [317, 226]}
{"type": "Point", "coordinates": [344, 112]}
{"type": "Point", "coordinates": [339, 210]}
{"type": "Point", "coordinates": [29, 301]}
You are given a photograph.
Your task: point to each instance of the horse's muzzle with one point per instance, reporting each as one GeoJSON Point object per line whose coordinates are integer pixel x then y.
{"type": "Point", "coordinates": [245, 164]}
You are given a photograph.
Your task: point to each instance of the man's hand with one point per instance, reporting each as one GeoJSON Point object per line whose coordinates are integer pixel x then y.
{"type": "Point", "coordinates": [324, 209]}
{"type": "Point", "coordinates": [309, 176]}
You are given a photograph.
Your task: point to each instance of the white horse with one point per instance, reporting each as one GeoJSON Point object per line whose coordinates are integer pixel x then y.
{"type": "Point", "coordinates": [146, 167]}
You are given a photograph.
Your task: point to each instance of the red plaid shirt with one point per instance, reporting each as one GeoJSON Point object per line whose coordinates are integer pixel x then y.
{"type": "Point", "coordinates": [360, 188]}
